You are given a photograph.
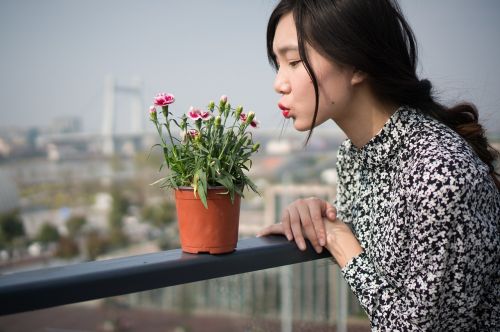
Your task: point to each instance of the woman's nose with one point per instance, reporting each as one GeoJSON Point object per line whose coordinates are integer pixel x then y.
{"type": "Point", "coordinates": [281, 85]}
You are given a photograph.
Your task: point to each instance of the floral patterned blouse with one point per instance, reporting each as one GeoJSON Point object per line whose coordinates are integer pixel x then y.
{"type": "Point", "coordinates": [427, 215]}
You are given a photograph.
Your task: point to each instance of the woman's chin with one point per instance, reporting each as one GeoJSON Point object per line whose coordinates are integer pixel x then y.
{"type": "Point", "coordinates": [301, 126]}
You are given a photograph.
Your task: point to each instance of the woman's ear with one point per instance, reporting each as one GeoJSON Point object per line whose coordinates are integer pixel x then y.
{"type": "Point", "coordinates": [358, 77]}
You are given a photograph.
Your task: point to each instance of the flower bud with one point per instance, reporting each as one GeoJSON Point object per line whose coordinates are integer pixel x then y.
{"type": "Point", "coordinates": [222, 102]}
{"type": "Point", "coordinates": [250, 117]}
{"type": "Point", "coordinates": [211, 106]}
{"type": "Point", "coordinates": [152, 113]}
{"type": "Point", "coordinates": [183, 122]}
{"type": "Point", "coordinates": [255, 147]}
{"type": "Point", "coordinates": [238, 111]}
{"type": "Point", "coordinates": [217, 121]}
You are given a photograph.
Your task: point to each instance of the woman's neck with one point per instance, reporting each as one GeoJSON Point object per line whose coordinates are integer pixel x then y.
{"type": "Point", "coordinates": [365, 117]}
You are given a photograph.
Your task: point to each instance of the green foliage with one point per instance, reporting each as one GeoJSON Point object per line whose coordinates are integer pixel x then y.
{"type": "Point", "coordinates": [213, 150]}
{"type": "Point", "coordinates": [47, 234]}
{"type": "Point", "coordinates": [74, 224]}
{"type": "Point", "coordinates": [159, 215]}
{"type": "Point", "coordinates": [11, 227]}
{"type": "Point", "coordinates": [119, 208]}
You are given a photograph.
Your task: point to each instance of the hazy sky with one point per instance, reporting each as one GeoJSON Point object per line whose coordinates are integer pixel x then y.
{"type": "Point", "coordinates": [56, 53]}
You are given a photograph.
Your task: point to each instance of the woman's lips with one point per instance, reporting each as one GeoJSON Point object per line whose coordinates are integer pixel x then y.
{"type": "Point", "coordinates": [285, 111]}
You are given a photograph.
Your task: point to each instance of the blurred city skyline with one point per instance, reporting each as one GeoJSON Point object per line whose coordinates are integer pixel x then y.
{"type": "Point", "coordinates": [56, 55]}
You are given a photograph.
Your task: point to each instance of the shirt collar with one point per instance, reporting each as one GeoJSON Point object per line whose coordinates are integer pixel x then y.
{"type": "Point", "coordinates": [387, 141]}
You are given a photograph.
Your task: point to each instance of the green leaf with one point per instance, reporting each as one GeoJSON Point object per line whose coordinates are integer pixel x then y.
{"type": "Point", "coordinates": [172, 182]}
{"type": "Point", "coordinates": [252, 186]}
{"type": "Point", "coordinates": [202, 191]}
{"type": "Point", "coordinates": [225, 181]}
{"type": "Point", "coordinates": [157, 181]}
{"type": "Point", "coordinates": [202, 148]}
{"type": "Point", "coordinates": [176, 123]}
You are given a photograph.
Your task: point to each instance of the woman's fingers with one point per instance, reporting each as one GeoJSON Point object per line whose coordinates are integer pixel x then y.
{"type": "Point", "coordinates": [307, 210]}
{"type": "Point", "coordinates": [295, 223]}
{"type": "Point", "coordinates": [317, 212]}
{"type": "Point", "coordinates": [285, 221]}
{"type": "Point", "coordinates": [330, 211]}
{"type": "Point", "coordinates": [271, 229]}
{"type": "Point", "coordinates": [304, 219]}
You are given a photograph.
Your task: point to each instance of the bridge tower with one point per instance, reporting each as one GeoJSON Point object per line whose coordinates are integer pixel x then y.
{"type": "Point", "coordinates": [108, 126]}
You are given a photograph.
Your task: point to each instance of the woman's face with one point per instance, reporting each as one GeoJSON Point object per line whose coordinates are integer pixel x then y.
{"type": "Point", "coordinates": [294, 84]}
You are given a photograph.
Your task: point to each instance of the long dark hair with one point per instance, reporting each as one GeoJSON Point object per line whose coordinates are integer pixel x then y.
{"type": "Point", "coordinates": [374, 37]}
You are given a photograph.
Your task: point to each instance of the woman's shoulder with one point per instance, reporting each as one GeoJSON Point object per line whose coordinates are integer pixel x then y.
{"type": "Point", "coordinates": [430, 142]}
{"type": "Point", "coordinates": [438, 156]}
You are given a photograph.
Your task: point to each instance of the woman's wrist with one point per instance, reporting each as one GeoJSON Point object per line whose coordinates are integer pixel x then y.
{"type": "Point", "coordinates": [341, 242]}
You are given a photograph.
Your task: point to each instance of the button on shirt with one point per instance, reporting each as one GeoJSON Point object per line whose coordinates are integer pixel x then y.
{"type": "Point", "coordinates": [427, 214]}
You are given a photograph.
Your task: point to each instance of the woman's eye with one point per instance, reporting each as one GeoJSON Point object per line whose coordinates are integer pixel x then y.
{"type": "Point", "coordinates": [294, 63]}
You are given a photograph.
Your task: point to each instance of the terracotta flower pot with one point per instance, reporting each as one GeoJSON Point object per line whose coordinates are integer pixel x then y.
{"type": "Point", "coordinates": [213, 230]}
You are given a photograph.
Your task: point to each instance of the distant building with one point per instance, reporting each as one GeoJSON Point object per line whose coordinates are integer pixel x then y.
{"type": "Point", "coordinates": [66, 125]}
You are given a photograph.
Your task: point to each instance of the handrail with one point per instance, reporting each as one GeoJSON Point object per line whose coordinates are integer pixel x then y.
{"type": "Point", "coordinates": [31, 290]}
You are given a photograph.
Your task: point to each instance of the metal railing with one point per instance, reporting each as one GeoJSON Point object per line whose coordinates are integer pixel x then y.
{"type": "Point", "coordinates": [24, 291]}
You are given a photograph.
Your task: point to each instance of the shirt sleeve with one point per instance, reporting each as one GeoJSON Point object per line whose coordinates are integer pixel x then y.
{"type": "Point", "coordinates": [453, 255]}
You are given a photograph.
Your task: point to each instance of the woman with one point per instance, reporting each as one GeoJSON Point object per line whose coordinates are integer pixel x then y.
{"type": "Point", "coordinates": [416, 179]}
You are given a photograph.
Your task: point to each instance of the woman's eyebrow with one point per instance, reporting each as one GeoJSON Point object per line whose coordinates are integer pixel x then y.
{"type": "Point", "coordinates": [287, 48]}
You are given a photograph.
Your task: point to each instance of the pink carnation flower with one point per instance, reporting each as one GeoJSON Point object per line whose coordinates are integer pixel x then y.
{"type": "Point", "coordinates": [163, 99]}
{"type": "Point", "coordinates": [196, 113]}
{"type": "Point", "coordinates": [254, 123]}
{"type": "Point", "coordinates": [152, 109]}
{"type": "Point", "coordinates": [193, 133]}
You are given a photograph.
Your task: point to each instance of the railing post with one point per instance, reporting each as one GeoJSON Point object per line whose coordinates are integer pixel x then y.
{"type": "Point", "coordinates": [286, 298]}
{"type": "Point", "coordinates": [341, 319]}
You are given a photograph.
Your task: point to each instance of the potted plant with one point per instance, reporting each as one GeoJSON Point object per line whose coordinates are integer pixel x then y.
{"type": "Point", "coordinates": [207, 163]}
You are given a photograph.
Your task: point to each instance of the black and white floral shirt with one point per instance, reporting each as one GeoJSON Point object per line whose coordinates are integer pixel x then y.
{"type": "Point", "coordinates": [427, 215]}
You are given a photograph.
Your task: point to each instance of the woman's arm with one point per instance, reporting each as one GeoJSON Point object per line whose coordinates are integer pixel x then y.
{"type": "Point", "coordinates": [453, 257]}
{"type": "Point", "coordinates": [341, 242]}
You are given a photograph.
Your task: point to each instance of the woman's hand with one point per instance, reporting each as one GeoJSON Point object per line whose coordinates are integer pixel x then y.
{"type": "Point", "coordinates": [341, 242]}
{"type": "Point", "coordinates": [304, 218]}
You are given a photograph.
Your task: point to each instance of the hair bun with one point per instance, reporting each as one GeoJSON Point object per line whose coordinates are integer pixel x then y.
{"type": "Point", "coordinates": [426, 86]}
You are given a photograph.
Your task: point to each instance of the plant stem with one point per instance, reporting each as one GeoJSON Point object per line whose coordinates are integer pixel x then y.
{"type": "Point", "coordinates": [158, 128]}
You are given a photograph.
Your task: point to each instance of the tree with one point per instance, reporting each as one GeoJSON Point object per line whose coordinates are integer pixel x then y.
{"type": "Point", "coordinates": [47, 234]}
{"type": "Point", "coordinates": [159, 215]}
{"type": "Point", "coordinates": [115, 221]}
{"type": "Point", "coordinates": [74, 224]}
{"type": "Point", "coordinates": [11, 227]}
